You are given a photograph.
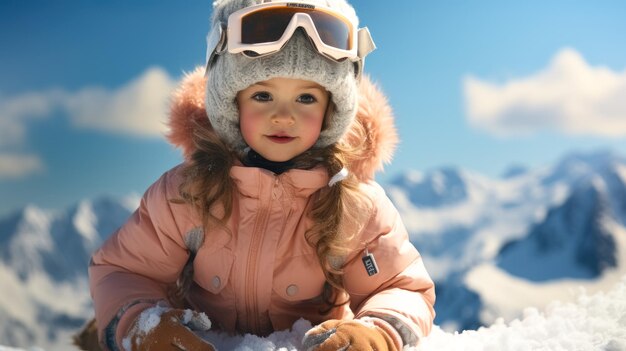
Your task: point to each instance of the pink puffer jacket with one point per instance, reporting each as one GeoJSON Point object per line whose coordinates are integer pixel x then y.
{"type": "Point", "coordinates": [261, 275]}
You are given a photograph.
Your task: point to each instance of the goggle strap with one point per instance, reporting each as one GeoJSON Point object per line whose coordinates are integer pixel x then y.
{"type": "Point", "coordinates": [358, 67]}
{"type": "Point", "coordinates": [216, 45]}
{"type": "Point", "coordinates": [365, 43]}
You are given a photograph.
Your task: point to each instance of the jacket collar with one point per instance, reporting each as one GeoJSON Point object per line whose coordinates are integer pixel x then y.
{"type": "Point", "coordinates": [254, 159]}
{"type": "Point", "coordinates": [252, 181]}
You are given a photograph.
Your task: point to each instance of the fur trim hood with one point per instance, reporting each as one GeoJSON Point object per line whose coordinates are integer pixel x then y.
{"type": "Point", "coordinates": [374, 114]}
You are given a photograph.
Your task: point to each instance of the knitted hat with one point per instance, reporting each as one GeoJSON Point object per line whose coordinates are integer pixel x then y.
{"type": "Point", "coordinates": [231, 73]}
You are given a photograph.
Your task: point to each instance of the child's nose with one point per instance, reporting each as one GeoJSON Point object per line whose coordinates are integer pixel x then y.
{"type": "Point", "coordinates": [283, 116]}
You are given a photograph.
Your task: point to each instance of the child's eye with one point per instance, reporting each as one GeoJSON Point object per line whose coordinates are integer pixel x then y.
{"type": "Point", "coordinates": [307, 99]}
{"type": "Point", "coordinates": [262, 96]}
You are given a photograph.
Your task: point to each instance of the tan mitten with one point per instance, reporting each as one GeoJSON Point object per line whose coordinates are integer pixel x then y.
{"type": "Point", "coordinates": [353, 335]}
{"type": "Point", "coordinates": [165, 329]}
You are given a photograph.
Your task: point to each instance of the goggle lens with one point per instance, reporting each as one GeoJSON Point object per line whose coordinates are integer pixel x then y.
{"type": "Point", "coordinates": [268, 25]}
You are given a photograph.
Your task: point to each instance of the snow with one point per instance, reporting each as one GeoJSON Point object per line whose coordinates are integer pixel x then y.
{"type": "Point", "coordinates": [591, 322]}
{"type": "Point", "coordinates": [151, 317]}
{"type": "Point", "coordinates": [131, 201]}
{"type": "Point", "coordinates": [521, 293]}
{"type": "Point", "coordinates": [596, 322]}
{"type": "Point", "coordinates": [621, 171]}
{"type": "Point", "coordinates": [188, 315]}
{"type": "Point", "coordinates": [21, 300]}
{"type": "Point", "coordinates": [473, 229]}
{"type": "Point", "coordinates": [33, 236]}
{"type": "Point", "coordinates": [85, 221]}
{"type": "Point", "coordinates": [287, 340]}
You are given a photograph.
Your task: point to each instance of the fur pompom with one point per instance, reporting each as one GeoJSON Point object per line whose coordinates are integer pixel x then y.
{"type": "Point", "coordinates": [380, 139]}
{"type": "Point", "coordinates": [187, 110]}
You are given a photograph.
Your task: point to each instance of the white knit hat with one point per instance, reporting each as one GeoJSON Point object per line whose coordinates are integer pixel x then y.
{"type": "Point", "coordinates": [231, 73]}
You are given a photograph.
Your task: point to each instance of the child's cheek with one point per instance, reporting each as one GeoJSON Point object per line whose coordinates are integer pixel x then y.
{"type": "Point", "coordinates": [249, 123]}
{"type": "Point", "coordinates": [313, 119]}
{"type": "Point", "coordinates": [251, 115]}
{"type": "Point", "coordinates": [252, 110]}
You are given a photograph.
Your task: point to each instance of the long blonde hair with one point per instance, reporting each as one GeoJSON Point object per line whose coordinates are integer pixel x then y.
{"type": "Point", "coordinates": [208, 188]}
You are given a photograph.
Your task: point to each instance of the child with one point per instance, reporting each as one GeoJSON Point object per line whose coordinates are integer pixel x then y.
{"type": "Point", "coordinates": [274, 215]}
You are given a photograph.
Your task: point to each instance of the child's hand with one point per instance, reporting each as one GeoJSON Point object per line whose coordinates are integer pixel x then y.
{"type": "Point", "coordinates": [351, 335]}
{"type": "Point", "coordinates": [168, 330]}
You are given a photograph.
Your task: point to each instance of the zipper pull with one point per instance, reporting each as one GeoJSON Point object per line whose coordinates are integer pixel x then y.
{"type": "Point", "coordinates": [370, 263]}
{"type": "Point", "coordinates": [275, 190]}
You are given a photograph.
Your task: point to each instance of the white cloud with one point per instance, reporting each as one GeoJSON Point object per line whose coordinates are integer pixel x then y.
{"type": "Point", "coordinates": [15, 111]}
{"type": "Point", "coordinates": [137, 108]}
{"type": "Point", "coordinates": [16, 166]}
{"type": "Point", "coordinates": [568, 96]}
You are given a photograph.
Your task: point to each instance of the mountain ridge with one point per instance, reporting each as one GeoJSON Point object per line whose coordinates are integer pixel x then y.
{"type": "Point", "coordinates": [502, 221]}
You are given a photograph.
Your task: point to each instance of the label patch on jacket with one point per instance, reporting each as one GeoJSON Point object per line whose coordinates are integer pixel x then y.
{"type": "Point", "coordinates": [370, 264]}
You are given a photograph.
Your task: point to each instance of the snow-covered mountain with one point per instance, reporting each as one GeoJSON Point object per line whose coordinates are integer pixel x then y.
{"type": "Point", "coordinates": [572, 241]}
{"type": "Point", "coordinates": [552, 228]}
{"type": "Point", "coordinates": [443, 187]}
{"type": "Point", "coordinates": [494, 246]}
{"type": "Point", "coordinates": [43, 269]}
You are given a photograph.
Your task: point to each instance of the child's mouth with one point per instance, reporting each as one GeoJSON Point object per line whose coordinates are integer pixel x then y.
{"type": "Point", "coordinates": [280, 139]}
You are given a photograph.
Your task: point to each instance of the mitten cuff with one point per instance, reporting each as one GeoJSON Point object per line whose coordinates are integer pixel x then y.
{"type": "Point", "coordinates": [119, 326]}
{"type": "Point", "coordinates": [387, 328]}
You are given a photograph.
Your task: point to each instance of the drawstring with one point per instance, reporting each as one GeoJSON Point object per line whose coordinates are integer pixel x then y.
{"type": "Point", "coordinates": [341, 175]}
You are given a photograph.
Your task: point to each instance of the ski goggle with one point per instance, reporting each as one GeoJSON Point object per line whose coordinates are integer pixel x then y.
{"type": "Point", "coordinates": [264, 29]}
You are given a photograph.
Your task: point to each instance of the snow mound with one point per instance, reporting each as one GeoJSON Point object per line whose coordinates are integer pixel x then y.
{"type": "Point", "coordinates": [286, 340]}
{"type": "Point", "coordinates": [593, 322]}
{"type": "Point", "coordinates": [596, 322]}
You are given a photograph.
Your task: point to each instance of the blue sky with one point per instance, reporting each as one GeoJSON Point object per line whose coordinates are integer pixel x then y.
{"type": "Point", "coordinates": [480, 85]}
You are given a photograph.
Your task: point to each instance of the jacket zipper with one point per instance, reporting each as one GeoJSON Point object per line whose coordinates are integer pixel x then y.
{"type": "Point", "coordinates": [252, 308]}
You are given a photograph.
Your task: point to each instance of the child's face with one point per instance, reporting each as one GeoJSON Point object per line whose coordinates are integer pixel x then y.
{"type": "Point", "coordinates": [281, 118]}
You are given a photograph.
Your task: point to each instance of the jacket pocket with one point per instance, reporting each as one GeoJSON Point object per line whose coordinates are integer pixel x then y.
{"type": "Point", "coordinates": [212, 269]}
{"type": "Point", "coordinates": [299, 278]}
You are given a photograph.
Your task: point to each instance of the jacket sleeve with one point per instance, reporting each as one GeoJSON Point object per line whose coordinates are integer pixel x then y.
{"type": "Point", "coordinates": [402, 292]}
{"type": "Point", "coordinates": [132, 268]}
